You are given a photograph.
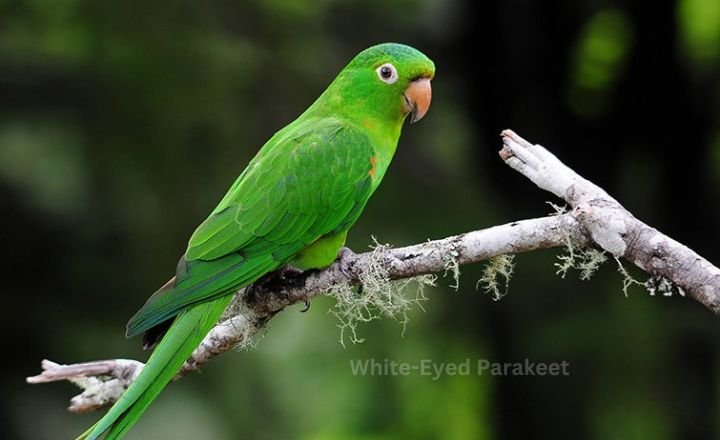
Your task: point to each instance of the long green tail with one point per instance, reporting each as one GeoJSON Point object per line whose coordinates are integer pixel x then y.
{"type": "Point", "coordinates": [181, 339]}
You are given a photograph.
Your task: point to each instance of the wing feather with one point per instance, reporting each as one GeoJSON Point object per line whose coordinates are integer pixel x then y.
{"type": "Point", "coordinates": [307, 182]}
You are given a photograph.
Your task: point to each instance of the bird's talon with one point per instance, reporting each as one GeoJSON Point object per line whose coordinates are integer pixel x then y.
{"type": "Point", "coordinates": [307, 306]}
{"type": "Point", "coordinates": [346, 260]}
{"type": "Point", "coordinates": [286, 275]}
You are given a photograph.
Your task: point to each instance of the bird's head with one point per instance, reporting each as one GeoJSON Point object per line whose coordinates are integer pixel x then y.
{"type": "Point", "coordinates": [387, 82]}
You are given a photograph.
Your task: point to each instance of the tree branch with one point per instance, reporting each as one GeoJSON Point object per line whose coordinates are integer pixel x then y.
{"type": "Point", "coordinates": [611, 227]}
{"type": "Point", "coordinates": [596, 220]}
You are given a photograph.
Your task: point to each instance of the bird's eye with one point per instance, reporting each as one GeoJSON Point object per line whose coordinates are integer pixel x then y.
{"type": "Point", "coordinates": [387, 73]}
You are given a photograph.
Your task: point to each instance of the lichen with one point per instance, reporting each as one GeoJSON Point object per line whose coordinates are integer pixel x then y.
{"type": "Point", "coordinates": [628, 280]}
{"type": "Point", "coordinates": [557, 209]}
{"type": "Point", "coordinates": [501, 266]}
{"type": "Point", "coordinates": [452, 267]}
{"type": "Point", "coordinates": [586, 260]}
{"type": "Point", "coordinates": [657, 284]}
{"type": "Point", "coordinates": [654, 285]}
{"type": "Point", "coordinates": [377, 296]}
{"type": "Point", "coordinates": [248, 336]}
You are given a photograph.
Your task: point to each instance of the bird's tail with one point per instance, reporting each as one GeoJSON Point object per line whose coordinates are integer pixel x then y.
{"type": "Point", "coordinates": [181, 339]}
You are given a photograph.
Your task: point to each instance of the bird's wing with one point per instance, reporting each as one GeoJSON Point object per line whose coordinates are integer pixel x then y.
{"type": "Point", "coordinates": [310, 182]}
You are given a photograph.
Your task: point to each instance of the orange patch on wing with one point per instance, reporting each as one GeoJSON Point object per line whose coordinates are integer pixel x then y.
{"type": "Point", "coordinates": [373, 165]}
{"type": "Point", "coordinates": [368, 123]}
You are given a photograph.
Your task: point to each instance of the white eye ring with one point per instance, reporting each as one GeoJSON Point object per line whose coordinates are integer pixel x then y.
{"type": "Point", "coordinates": [387, 73]}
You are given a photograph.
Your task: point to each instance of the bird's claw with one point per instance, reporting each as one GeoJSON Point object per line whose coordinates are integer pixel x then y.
{"type": "Point", "coordinates": [286, 275]}
{"type": "Point", "coordinates": [346, 262]}
{"type": "Point", "coordinates": [307, 306]}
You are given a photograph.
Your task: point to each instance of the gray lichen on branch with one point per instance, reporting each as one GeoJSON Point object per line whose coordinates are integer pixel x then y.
{"type": "Point", "coordinates": [496, 268]}
{"type": "Point", "coordinates": [611, 227]}
{"type": "Point", "coordinates": [595, 220]}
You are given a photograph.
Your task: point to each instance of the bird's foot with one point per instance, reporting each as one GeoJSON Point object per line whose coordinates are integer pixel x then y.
{"type": "Point", "coordinates": [286, 276]}
{"type": "Point", "coordinates": [283, 278]}
{"type": "Point", "coordinates": [346, 259]}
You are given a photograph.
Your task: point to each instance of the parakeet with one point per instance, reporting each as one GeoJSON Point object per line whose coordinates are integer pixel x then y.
{"type": "Point", "coordinates": [292, 205]}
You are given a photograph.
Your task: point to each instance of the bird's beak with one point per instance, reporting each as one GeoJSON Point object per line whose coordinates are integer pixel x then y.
{"type": "Point", "coordinates": [417, 99]}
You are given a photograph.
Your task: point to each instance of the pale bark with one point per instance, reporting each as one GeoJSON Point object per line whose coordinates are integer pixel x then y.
{"type": "Point", "coordinates": [595, 219]}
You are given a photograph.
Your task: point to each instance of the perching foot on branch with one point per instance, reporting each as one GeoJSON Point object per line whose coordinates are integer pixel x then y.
{"type": "Point", "coordinates": [346, 260]}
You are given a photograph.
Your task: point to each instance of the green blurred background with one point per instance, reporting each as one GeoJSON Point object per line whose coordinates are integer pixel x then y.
{"type": "Point", "coordinates": [123, 123]}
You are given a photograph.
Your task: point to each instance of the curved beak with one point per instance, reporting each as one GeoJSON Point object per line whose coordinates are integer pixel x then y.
{"type": "Point", "coordinates": [417, 98]}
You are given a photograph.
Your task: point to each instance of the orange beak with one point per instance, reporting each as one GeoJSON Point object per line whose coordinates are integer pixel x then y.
{"type": "Point", "coordinates": [417, 99]}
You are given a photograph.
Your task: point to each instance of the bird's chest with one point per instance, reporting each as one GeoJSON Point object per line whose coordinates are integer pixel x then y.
{"type": "Point", "coordinates": [379, 161]}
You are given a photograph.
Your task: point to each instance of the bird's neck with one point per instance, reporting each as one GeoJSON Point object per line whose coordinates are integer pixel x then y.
{"type": "Point", "coordinates": [383, 128]}
{"type": "Point", "coordinates": [384, 142]}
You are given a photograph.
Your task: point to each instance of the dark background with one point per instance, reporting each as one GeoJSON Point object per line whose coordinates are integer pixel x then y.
{"type": "Point", "coordinates": [123, 123]}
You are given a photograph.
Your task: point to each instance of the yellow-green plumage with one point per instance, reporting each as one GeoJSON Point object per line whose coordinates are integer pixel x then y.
{"type": "Point", "coordinates": [294, 203]}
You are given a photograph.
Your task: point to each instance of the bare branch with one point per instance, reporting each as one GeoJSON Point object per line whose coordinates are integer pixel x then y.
{"type": "Point", "coordinates": [102, 381]}
{"type": "Point", "coordinates": [612, 227]}
{"type": "Point", "coordinates": [596, 219]}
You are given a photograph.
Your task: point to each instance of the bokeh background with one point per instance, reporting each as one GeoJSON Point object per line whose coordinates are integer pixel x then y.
{"type": "Point", "coordinates": [123, 123]}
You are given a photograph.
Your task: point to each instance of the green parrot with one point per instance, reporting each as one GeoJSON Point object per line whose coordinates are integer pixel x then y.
{"type": "Point", "coordinates": [292, 206]}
